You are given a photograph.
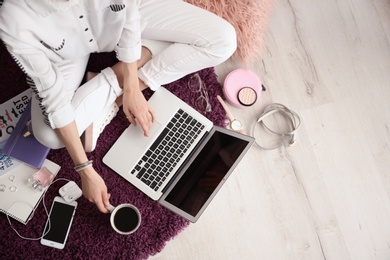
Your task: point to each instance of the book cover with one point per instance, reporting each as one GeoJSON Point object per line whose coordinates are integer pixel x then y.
{"type": "Point", "coordinates": [24, 147]}
{"type": "Point", "coordinates": [17, 199]}
{"type": "Point", "coordinates": [10, 113]}
{"type": "Point", "coordinates": [7, 163]}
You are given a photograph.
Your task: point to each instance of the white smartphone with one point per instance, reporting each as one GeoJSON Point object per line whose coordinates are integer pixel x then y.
{"type": "Point", "coordinates": [61, 217]}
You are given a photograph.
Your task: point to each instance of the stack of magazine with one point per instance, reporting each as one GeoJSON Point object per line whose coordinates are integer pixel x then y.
{"type": "Point", "coordinates": [21, 155]}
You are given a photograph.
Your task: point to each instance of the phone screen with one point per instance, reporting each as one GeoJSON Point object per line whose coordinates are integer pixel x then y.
{"type": "Point", "coordinates": [60, 219]}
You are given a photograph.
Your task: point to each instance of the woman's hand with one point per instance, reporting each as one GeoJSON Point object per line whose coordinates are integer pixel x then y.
{"type": "Point", "coordinates": [135, 105]}
{"type": "Point", "coordinates": [94, 189]}
{"type": "Point", "coordinates": [93, 186]}
{"type": "Point", "coordinates": [137, 108]}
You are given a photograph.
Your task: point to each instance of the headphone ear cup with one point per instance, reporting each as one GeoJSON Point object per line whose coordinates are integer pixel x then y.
{"type": "Point", "coordinates": [292, 140]}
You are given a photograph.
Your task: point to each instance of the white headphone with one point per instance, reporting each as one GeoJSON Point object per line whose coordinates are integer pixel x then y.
{"type": "Point", "coordinates": [293, 120]}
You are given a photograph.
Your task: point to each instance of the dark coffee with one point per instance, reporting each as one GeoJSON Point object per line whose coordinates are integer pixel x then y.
{"type": "Point", "coordinates": [126, 219]}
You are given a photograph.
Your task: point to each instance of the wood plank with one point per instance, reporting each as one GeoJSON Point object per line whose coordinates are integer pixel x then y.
{"type": "Point", "coordinates": [328, 196]}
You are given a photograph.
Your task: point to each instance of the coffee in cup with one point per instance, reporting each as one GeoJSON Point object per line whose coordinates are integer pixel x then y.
{"type": "Point", "coordinates": [125, 218]}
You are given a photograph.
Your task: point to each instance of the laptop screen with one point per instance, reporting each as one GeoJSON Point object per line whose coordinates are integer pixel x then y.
{"type": "Point", "coordinates": [207, 172]}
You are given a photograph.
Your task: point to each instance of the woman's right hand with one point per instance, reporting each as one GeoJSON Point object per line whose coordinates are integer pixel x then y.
{"type": "Point", "coordinates": [94, 189]}
{"type": "Point", "coordinates": [93, 186]}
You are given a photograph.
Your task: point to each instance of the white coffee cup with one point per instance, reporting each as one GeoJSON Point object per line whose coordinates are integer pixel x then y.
{"type": "Point", "coordinates": [125, 218]}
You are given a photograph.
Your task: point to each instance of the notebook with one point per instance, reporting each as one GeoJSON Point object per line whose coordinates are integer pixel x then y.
{"type": "Point", "coordinates": [7, 163]}
{"type": "Point", "coordinates": [24, 147]}
{"type": "Point", "coordinates": [17, 199]}
{"type": "Point", "coordinates": [193, 163]}
{"type": "Point", "coordinates": [11, 111]}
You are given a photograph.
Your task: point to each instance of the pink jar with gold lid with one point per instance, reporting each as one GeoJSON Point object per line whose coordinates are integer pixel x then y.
{"type": "Point", "coordinates": [242, 88]}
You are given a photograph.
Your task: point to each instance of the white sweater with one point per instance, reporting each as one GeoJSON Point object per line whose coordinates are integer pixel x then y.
{"type": "Point", "coordinates": [42, 33]}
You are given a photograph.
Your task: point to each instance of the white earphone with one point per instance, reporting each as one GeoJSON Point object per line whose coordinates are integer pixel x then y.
{"type": "Point", "coordinates": [293, 120]}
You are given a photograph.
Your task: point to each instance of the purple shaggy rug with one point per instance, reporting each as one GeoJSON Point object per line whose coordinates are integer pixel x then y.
{"type": "Point", "coordinates": [91, 235]}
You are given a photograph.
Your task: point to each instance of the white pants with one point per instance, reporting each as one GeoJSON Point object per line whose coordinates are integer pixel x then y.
{"type": "Point", "coordinates": [182, 39]}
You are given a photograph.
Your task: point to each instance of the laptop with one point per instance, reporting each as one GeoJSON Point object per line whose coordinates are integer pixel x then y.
{"type": "Point", "coordinates": [184, 161]}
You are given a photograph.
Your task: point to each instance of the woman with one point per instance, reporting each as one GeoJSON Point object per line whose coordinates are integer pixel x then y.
{"type": "Point", "coordinates": [51, 40]}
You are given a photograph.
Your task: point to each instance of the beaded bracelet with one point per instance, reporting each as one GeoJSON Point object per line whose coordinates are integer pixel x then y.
{"type": "Point", "coordinates": [82, 166]}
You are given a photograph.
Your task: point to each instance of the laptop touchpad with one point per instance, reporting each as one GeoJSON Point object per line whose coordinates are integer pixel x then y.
{"type": "Point", "coordinates": [138, 137]}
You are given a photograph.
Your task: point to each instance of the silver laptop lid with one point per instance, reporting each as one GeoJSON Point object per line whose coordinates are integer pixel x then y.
{"type": "Point", "coordinates": [199, 181]}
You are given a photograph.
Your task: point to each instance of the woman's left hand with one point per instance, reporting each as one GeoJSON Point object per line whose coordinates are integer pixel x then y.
{"type": "Point", "coordinates": [137, 108]}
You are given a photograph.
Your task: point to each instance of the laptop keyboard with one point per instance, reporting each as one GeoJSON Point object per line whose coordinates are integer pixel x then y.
{"type": "Point", "coordinates": [168, 149]}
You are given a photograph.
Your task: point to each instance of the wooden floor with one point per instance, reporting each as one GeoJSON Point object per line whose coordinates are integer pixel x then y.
{"type": "Point", "coordinates": [328, 196]}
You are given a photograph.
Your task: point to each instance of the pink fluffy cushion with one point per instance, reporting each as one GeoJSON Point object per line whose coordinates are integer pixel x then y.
{"type": "Point", "coordinates": [249, 18]}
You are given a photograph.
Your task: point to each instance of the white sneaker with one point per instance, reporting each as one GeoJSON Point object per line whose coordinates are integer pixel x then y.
{"type": "Point", "coordinates": [93, 131]}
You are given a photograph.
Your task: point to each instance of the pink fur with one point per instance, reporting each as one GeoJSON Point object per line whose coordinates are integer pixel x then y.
{"type": "Point", "coordinates": [249, 18]}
